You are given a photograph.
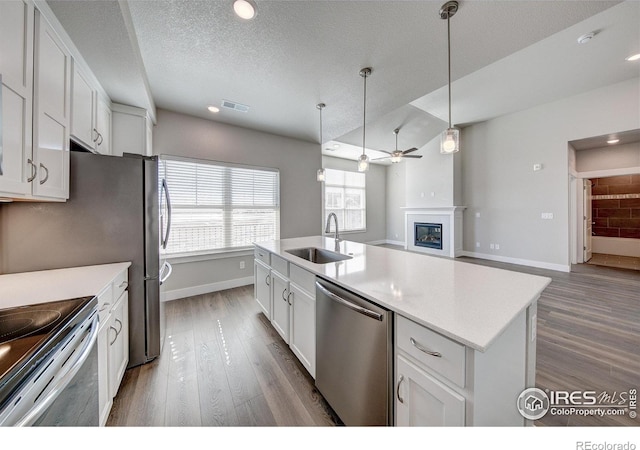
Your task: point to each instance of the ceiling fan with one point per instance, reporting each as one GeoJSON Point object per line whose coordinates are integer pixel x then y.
{"type": "Point", "coordinates": [398, 155]}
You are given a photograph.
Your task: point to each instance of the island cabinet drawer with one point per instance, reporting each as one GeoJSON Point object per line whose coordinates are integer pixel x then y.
{"type": "Point", "coordinates": [280, 265]}
{"type": "Point", "coordinates": [120, 284]}
{"type": "Point", "coordinates": [436, 352]}
{"type": "Point", "coordinates": [303, 278]}
{"type": "Point", "coordinates": [262, 255]}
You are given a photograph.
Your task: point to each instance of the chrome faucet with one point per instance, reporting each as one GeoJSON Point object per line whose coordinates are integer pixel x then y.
{"type": "Point", "coordinates": [327, 229]}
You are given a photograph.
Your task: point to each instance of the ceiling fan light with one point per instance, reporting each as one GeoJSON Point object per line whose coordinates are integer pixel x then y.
{"type": "Point", "coordinates": [395, 158]}
{"type": "Point", "coordinates": [450, 141]}
{"type": "Point", "coordinates": [363, 163]}
{"type": "Point", "coordinates": [320, 175]}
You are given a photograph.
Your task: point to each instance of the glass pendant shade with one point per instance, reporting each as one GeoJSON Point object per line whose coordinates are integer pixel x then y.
{"type": "Point", "coordinates": [396, 158]}
{"type": "Point", "coordinates": [363, 163]}
{"type": "Point", "coordinates": [320, 175]}
{"type": "Point", "coordinates": [450, 141]}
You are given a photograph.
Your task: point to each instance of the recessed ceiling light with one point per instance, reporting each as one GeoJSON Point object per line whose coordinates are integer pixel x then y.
{"type": "Point", "coordinates": [633, 57]}
{"type": "Point", "coordinates": [613, 141]}
{"type": "Point", "coordinates": [213, 109]}
{"type": "Point", "coordinates": [245, 9]}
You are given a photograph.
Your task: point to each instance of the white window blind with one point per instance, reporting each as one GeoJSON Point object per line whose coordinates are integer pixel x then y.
{"type": "Point", "coordinates": [218, 207]}
{"type": "Point", "coordinates": [344, 195]}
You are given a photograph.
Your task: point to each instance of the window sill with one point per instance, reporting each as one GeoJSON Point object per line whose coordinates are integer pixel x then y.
{"type": "Point", "coordinates": [183, 258]}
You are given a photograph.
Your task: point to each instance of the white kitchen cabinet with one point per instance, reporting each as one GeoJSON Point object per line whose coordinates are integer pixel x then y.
{"type": "Point", "coordinates": [51, 113]}
{"type": "Point", "coordinates": [280, 312]}
{"type": "Point", "coordinates": [286, 294]}
{"type": "Point", "coordinates": [113, 341]}
{"type": "Point", "coordinates": [16, 97]}
{"type": "Point", "coordinates": [90, 113]}
{"type": "Point", "coordinates": [441, 382]}
{"type": "Point", "coordinates": [421, 400]}
{"type": "Point", "coordinates": [103, 126]}
{"type": "Point", "coordinates": [131, 130]}
{"type": "Point", "coordinates": [262, 286]}
{"type": "Point", "coordinates": [118, 343]}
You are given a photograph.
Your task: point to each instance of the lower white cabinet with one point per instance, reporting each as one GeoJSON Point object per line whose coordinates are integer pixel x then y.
{"type": "Point", "coordinates": [113, 341]}
{"type": "Point", "coordinates": [421, 400]}
{"type": "Point", "coordinates": [286, 295]}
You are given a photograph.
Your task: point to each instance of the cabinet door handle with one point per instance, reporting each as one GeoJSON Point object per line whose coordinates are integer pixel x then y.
{"type": "Point", "coordinates": [288, 299]}
{"type": "Point", "coordinates": [123, 284]}
{"type": "Point", "coordinates": [46, 174]}
{"type": "Point", "coordinates": [400, 399]}
{"type": "Point", "coordinates": [284, 297]}
{"type": "Point", "coordinates": [117, 320]}
{"type": "Point", "coordinates": [100, 137]}
{"type": "Point", "coordinates": [105, 306]}
{"type": "Point", "coordinates": [34, 171]}
{"type": "Point", "coordinates": [115, 338]}
{"type": "Point", "coordinates": [96, 134]}
{"type": "Point", "coordinates": [266, 280]}
{"type": "Point", "coordinates": [424, 349]}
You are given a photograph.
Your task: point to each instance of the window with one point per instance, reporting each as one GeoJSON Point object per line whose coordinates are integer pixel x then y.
{"type": "Point", "coordinates": [344, 195]}
{"type": "Point", "coordinates": [219, 207]}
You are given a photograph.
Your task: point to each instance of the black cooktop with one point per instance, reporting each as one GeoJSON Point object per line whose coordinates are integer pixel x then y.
{"type": "Point", "coordinates": [29, 333]}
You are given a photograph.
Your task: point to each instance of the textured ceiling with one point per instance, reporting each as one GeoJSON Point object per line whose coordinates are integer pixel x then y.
{"type": "Point", "coordinates": [295, 54]}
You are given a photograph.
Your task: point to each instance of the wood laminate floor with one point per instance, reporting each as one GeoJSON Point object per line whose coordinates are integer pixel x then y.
{"type": "Point", "coordinates": [223, 363]}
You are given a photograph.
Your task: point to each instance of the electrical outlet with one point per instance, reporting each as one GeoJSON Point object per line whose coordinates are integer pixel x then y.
{"type": "Point", "coordinates": [242, 264]}
{"type": "Point", "coordinates": [547, 215]}
{"type": "Point", "coordinates": [491, 246]}
{"type": "Point", "coordinates": [497, 246]}
{"type": "Point", "coordinates": [422, 194]}
{"type": "Point", "coordinates": [433, 194]}
{"type": "Point", "coordinates": [477, 215]}
{"type": "Point", "coordinates": [477, 244]}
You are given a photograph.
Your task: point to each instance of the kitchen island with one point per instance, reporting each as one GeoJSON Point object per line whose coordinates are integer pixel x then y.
{"type": "Point", "coordinates": [482, 320]}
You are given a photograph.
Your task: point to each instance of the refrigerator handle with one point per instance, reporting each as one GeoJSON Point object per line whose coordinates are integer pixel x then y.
{"type": "Point", "coordinates": [163, 276]}
{"type": "Point", "coordinates": [165, 238]}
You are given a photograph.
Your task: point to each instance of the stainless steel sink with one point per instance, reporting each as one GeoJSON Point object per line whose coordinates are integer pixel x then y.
{"type": "Point", "coordinates": [317, 255]}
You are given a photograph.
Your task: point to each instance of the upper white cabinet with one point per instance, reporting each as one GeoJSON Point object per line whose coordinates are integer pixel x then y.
{"type": "Point", "coordinates": [16, 97]}
{"type": "Point", "coordinates": [90, 113]}
{"type": "Point", "coordinates": [51, 113]}
{"type": "Point", "coordinates": [132, 130]}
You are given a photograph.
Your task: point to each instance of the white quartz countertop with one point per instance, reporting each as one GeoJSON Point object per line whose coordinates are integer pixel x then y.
{"type": "Point", "coordinates": [28, 288]}
{"type": "Point", "coordinates": [469, 303]}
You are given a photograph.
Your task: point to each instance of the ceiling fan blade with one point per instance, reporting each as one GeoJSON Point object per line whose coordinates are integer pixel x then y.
{"type": "Point", "coordinates": [409, 151]}
{"type": "Point", "coordinates": [412, 156]}
{"type": "Point", "coordinates": [378, 159]}
{"type": "Point", "coordinates": [384, 151]}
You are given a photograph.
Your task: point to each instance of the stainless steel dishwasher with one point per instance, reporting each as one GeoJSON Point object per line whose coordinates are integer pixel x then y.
{"type": "Point", "coordinates": [354, 355]}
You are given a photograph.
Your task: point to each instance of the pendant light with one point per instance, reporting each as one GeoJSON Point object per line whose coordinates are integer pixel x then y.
{"type": "Point", "coordinates": [450, 138]}
{"type": "Point", "coordinates": [320, 174]}
{"type": "Point", "coordinates": [363, 161]}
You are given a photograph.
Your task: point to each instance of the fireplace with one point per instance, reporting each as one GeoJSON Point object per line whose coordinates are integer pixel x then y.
{"type": "Point", "coordinates": [428, 235]}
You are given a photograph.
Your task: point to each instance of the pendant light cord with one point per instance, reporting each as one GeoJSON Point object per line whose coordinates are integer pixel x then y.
{"type": "Point", "coordinates": [449, 58]}
{"type": "Point", "coordinates": [364, 114]}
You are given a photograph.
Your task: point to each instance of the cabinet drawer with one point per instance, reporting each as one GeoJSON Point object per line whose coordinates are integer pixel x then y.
{"type": "Point", "coordinates": [303, 278]}
{"type": "Point", "coordinates": [262, 255]}
{"type": "Point", "coordinates": [416, 340]}
{"type": "Point", "coordinates": [280, 265]}
{"type": "Point", "coordinates": [120, 284]}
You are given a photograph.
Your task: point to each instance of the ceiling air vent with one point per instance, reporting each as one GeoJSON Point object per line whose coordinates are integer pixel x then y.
{"type": "Point", "coordinates": [235, 106]}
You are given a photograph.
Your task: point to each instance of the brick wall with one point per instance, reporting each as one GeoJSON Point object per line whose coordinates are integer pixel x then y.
{"type": "Point", "coordinates": [616, 206]}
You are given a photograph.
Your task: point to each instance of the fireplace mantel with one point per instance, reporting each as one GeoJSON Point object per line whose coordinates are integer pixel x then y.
{"type": "Point", "coordinates": [451, 219]}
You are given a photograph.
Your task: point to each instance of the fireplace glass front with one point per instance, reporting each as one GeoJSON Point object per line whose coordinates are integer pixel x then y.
{"type": "Point", "coordinates": [428, 235]}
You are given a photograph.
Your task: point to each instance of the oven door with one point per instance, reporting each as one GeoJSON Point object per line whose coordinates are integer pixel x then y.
{"type": "Point", "coordinates": [65, 391]}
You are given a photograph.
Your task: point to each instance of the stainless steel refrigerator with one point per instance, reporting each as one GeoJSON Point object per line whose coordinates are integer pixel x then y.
{"type": "Point", "coordinates": [113, 214]}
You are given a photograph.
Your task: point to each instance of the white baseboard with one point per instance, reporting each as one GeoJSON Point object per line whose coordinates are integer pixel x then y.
{"type": "Point", "coordinates": [518, 261]}
{"type": "Point", "coordinates": [207, 288]}
{"type": "Point", "coordinates": [391, 242]}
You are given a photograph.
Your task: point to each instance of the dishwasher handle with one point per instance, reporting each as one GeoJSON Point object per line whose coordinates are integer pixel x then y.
{"type": "Point", "coordinates": [348, 304]}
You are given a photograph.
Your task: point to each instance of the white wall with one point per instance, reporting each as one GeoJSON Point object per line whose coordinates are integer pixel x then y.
{"type": "Point", "coordinates": [612, 157]}
{"type": "Point", "coordinates": [300, 194]}
{"type": "Point", "coordinates": [376, 179]}
{"type": "Point", "coordinates": [396, 199]}
{"type": "Point", "coordinates": [500, 184]}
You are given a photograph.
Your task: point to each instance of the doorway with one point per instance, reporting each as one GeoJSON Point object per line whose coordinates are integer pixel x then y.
{"type": "Point", "coordinates": [604, 181]}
